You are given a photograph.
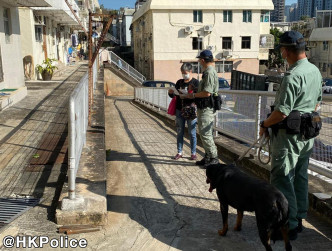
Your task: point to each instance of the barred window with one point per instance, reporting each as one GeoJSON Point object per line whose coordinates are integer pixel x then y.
{"type": "Point", "coordinates": [226, 66]}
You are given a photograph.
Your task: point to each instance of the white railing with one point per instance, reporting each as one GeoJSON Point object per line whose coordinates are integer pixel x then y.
{"type": "Point", "coordinates": [240, 116]}
{"type": "Point", "coordinates": [111, 37]}
{"type": "Point", "coordinates": [95, 74]}
{"type": "Point", "coordinates": [77, 127]}
{"type": "Point", "coordinates": [123, 65]}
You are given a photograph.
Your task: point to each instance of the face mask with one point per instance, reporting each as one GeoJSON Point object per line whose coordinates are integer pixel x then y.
{"type": "Point", "coordinates": [186, 76]}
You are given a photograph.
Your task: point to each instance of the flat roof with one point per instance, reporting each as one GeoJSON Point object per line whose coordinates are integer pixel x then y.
{"type": "Point", "coordinates": [203, 5]}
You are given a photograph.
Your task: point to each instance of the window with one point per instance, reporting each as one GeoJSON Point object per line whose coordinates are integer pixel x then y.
{"type": "Point", "coordinates": [226, 66]}
{"type": "Point", "coordinates": [324, 67]}
{"type": "Point", "coordinates": [247, 16]}
{"type": "Point", "coordinates": [198, 16]}
{"type": "Point", "coordinates": [227, 43]}
{"type": "Point", "coordinates": [197, 43]}
{"type": "Point", "coordinates": [228, 16]}
{"type": "Point", "coordinates": [246, 42]}
{"type": "Point", "coordinates": [6, 22]}
{"type": "Point", "coordinates": [330, 70]}
{"type": "Point", "coordinates": [39, 33]}
{"type": "Point", "coordinates": [195, 67]}
{"type": "Point", "coordinates": [265, 16]}
{"type": "Point", "coordinates": [325, 45]}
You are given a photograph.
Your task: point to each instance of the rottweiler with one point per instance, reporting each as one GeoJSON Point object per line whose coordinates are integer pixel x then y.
{"type": "Point", "coordinates": [245, 193]}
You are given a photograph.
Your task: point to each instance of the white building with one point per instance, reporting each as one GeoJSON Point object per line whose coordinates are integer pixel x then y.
{"type": "Point", "coordinates": [125, 35]}
{"type": "Point", "coordinates": [11, 64]}
{"type": "Point", "coordinates": [47, 32]}
{"type": "Point", "coordinates": [320, 43]}
{"type": "Point", "coordinates": [167, 33]}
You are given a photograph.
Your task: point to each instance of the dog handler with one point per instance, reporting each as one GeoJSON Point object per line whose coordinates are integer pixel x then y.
{"type": "Point", "coordinates": [205, 111]}
{"type": "Point", "coordinates": [299, 95]}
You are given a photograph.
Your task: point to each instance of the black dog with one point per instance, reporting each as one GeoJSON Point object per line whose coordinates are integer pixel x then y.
{"type": "Point", "coordinates": [245, 193]}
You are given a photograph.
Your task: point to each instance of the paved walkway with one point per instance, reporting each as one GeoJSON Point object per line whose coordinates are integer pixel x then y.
{"type": "Point", "coordinates": [32, 138]}
{"type": "Point", "coordinates": [156, 203]}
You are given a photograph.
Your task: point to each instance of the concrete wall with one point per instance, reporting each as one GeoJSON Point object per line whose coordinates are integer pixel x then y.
{"type": "Point", "coordinates": [116, 85]}
{"type": "Point", "coordinates": [12, 60]}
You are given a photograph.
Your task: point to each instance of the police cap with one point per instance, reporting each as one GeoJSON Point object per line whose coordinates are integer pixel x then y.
{"type": "Point", "coordinates": [291, 39]}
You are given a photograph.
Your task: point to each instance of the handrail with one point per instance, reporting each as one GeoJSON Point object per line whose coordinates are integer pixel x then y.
{"type": "Point", "coordinates": [124, 66]}
{"type": "Point", "coordinates": [240, 116]}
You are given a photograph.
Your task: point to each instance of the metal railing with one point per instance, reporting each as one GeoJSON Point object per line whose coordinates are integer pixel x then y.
{"type": "Point", "coordinates": [123, 65]}
{"type": "Point", "coordinates": [95, 74]}
{"type": "Point", "coordinates": [111, 37]}
{"type": "Point", "coordinates": [240, 116]}
{"type": "Point", "coordinates": [77, 127]}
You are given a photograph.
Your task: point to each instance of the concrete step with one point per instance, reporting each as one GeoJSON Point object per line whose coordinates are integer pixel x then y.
{"type": "Point", "coordinates": [9, 98]}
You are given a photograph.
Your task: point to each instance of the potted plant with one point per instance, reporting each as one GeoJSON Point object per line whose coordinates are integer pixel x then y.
{"type": "Point", "coordinates": [47, 68]}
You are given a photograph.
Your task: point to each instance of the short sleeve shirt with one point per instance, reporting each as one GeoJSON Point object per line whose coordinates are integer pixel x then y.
{"type": "Point", "coordinates": [209, 82]}
{"type": "Point", "coordinates": [300, 90]}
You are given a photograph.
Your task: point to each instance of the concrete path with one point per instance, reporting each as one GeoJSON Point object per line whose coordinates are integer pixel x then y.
{"type": "Point", "coordinates": [33, 134]}
{"type": "Point", "coordinates": [156, 203]}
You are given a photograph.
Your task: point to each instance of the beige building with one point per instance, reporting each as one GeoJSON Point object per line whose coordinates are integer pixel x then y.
{"type": "Point", "coordinates": [167, 33]}
{"type": "Point", "coordinates": [320, 43]}
{"type": "Point", "coordinates": [11, 65]}
{"type": "Point", "coordinates": [48, 32]}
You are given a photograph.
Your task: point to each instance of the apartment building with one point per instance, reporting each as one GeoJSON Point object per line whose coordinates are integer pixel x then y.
{"type": "Point", "coordinates": [12, 85]}
{"type": "Point", "coordinates": [277, 15]}
{"type": "Point", "coordinates": [126, 17]}
{"type": "Point", "coordinates": [167, 33]}
{"type": "Point", "coordinates": [320, 43]}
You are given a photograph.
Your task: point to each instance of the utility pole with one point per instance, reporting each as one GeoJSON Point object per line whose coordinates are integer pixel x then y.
{"type": "Point", "coordinates": [198, 40]}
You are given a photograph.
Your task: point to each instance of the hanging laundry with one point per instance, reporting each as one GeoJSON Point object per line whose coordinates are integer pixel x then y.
{"type": "Point", "coordinates": [74, 40]}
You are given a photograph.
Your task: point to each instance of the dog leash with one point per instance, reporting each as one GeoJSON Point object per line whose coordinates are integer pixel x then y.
{"type": "Point", "coordinates": [263, 141]}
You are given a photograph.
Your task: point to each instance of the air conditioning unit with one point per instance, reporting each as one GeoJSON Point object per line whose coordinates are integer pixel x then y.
{"type": "Point", "coordinates": [226, 53]}
{"type": "Point", "coordinates": [208, 28]}
{"type": "Point", "coordinates": [210, 47]}
{"type": "Point", "coordinates": [189, 29]}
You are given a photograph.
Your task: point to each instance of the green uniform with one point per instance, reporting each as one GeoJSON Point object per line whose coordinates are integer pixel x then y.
{"type": "Point", "coordinates": [209, 83]}
{"type": "Point", "coordinates": [301, 90]}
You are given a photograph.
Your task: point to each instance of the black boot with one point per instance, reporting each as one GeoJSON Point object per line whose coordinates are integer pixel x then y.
{"type": "Point", "coordinates": [292, 234]}
{"type": "Point", "coordinates": [203, 161]}
{"type": "Point", "coordinates": [212, 161]}
{"type": "Point", "coordinates": [299, 226]}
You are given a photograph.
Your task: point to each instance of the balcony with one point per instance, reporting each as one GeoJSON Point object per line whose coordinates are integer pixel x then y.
{"type": "Point", "coordinates": [59, 11]}
{"type": "Point", "coordinates": [26, 3]}
{"type": "Point", "coordinates": [266, 41]}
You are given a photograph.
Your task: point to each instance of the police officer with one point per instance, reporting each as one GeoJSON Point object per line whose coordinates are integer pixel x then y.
{"type": "Point", "coordinates": [205, 112]}
{"type": "Point", "coordinates": [300, 90]}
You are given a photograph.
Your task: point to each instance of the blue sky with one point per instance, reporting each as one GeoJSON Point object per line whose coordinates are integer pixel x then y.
{"type": "Point", "coordinates": [116, 4]}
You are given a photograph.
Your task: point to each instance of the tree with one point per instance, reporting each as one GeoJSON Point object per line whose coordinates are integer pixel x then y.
{"type": "Point", "coordinates": [275, 59]}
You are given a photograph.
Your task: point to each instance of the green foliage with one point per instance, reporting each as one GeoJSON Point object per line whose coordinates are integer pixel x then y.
{"type": "Point", "coordinates": [305, 18]}
{"type": "Point", "coordinates": [275, 59]}
{"type": "Point", "coordinates": [47, 65]}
